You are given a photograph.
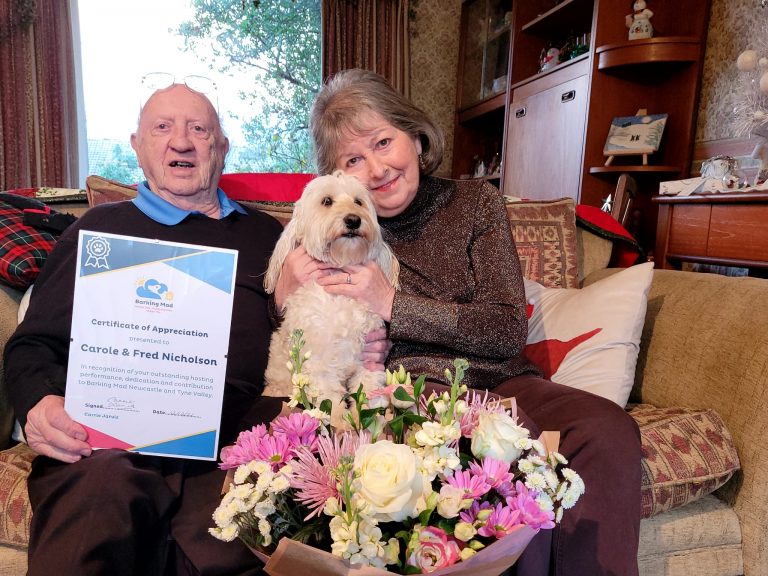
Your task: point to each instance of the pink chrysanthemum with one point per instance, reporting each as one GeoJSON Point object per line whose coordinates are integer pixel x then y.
{"type": "Point", "coordinates": [531, 514]}
{"type": "Point", "coordinates": [492, 471]}
{"type": "Point", "coordinates": [314, 477]}
{"type": "Point", "coordinates": [276, 450]}
{"type": "Point", "coordinates": [501, 522]}
{"type": "Point", "coordinates": [244, 449]}
{"type": "Point", "coordinates": [300, 428]}
{"type": "Point", "coordinates": [472, 485]}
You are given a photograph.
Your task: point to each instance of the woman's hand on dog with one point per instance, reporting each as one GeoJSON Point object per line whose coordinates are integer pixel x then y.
{"type": "Point", "coordinates": [364, 282]}
{"type": "Point", "coordinates": [298, 269]}
{"type": "Point", "coordinates": [376, 349]}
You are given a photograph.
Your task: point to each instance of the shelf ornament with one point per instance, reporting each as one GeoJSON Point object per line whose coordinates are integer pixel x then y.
{"type": "Point", "coordinates": [639, 22]}
{"type": "Point", "coordinates": [751, 103]}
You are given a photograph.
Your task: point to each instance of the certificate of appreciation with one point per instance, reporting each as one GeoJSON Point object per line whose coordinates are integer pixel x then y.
{"type": "Point", "coordinates": [149, 341]}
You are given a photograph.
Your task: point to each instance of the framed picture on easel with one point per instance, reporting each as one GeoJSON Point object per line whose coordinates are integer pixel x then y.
{"type": "Point", "coordinates": [634, 135]}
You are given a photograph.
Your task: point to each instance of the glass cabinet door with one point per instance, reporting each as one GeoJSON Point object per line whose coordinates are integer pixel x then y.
{"type": "Point", "coordinates": [485, 38]}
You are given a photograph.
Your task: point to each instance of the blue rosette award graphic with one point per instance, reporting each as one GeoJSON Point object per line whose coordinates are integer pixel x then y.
{"type": "Point", "coordinates": [149, 342]}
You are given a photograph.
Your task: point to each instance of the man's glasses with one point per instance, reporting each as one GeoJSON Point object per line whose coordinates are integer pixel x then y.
{"type": "Point", "coordinates": [154, 81]}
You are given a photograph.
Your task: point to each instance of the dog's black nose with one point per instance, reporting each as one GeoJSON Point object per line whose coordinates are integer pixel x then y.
{"type": "Point", "coordinates": [352, 221]}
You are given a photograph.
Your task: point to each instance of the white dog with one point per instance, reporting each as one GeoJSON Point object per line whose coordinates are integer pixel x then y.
{"type": "Point", "coordinates": [335, 221]}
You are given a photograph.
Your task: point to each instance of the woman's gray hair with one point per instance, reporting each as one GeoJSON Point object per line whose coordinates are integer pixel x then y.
{"type": "Point", "coordinates": [351, 94]}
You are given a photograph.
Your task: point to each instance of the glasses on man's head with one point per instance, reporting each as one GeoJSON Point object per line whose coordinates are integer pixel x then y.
{"type": "Point", "coordinates": [153, 81]}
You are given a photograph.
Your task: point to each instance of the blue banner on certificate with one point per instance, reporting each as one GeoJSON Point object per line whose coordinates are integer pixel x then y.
{"type": "Point", "coordinates": [150, 335]}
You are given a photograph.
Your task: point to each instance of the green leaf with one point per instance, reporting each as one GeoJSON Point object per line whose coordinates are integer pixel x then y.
{"type": "Point", "coordinates": [402, 394]}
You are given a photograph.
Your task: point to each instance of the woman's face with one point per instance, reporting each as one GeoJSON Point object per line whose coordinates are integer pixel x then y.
{"type": "Point", "coordinates": [385, 160]}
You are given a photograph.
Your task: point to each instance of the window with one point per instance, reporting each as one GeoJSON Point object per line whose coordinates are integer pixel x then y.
{"type": "Point", "coordinates": [265, 61]}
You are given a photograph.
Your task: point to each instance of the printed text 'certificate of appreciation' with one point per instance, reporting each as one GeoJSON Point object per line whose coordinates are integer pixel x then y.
{"type": "Point", "coordinates": [150, 333]}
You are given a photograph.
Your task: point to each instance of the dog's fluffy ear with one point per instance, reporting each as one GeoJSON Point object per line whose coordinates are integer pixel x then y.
{"type": "Point", "coordinates": [288, 241]}
{"type": "Point", "coordinates": [389, 265]}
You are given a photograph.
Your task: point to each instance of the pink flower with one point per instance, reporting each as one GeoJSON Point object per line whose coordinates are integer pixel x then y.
{"type": "Point", "coordinates": [276, 450]}
{"type": "Point", "coordinates": [477, 404]}
{"type": "Point", "coordinates": [494, 472]}
{"type": "Point", "coordinates": [300, 428]}
{"type": "Point", "coordinates": [244, 449]}
{"type": "Point", "coordinates": [315, 475]}
{"type": "Point", "coordinates": [501, 522]}
{"type": "Point", "coordinates": [531, 514]}
{"type": "Point", "coordinates": [472, 485]}
{"type": "Point", "coordinates": [432, 550]}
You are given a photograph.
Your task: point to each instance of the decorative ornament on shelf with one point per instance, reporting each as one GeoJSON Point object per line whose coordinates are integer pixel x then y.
{"type": "Point", "coordinates": [549, 58]}
{"type": "Point", "coordinates": [639, 22]}
{"type": "Point", "coordinates": [751, 102]}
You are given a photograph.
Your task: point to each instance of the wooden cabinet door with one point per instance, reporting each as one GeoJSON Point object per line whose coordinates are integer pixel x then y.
{"type": "Point", "coordinates": [545, 141]}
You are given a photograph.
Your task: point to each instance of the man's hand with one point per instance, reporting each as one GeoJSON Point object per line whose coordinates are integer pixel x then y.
{"type": "Point", "coordinates": [51, 432]}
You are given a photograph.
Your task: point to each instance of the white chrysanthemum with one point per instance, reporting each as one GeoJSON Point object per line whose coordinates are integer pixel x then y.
{"type": "Point", "coordinates": [264, 527]}
{"type": "Point", "coordinates": [551, 478]}
{"type": "Point", "coordinates": [545, 501]}
{"type": "Point", "coordinates": [535, 481]}
{"type": "Point", "coordinates": [570, 498]}
{"type": "Point", "coordinates": [265, 480]}
{"type": "Point", "coordinates": [223, 516]}
{"type": "Point", "coordinates": [560, 458]}
{"type": "Point", "coordinates": [242, 473]}
{"type": "Point", "coordinates": [279, 484]}
{"type": "Point", "coordinates": [227, 534]}
{"type": "Point", "coordinates": [259, 467]}
{"type": "Point", "coordinates": [242, 492]}
{"type": "Point", "coordinates": [525, 466]}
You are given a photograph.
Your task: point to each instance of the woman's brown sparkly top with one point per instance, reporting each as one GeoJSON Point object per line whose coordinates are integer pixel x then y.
{"type": "Point", "coordinates": [461, 288]}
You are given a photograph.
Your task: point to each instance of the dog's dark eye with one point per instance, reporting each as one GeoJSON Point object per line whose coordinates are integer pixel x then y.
{"type": "Point", "coordinates": [327, 201]}
{"type": "Point", "coordinates": [358, 202]}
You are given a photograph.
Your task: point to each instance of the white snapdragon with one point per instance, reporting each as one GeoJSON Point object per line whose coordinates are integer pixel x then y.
{"type": "Point", "coordinates": [439, 460]}
{"type": "Point", "coordinates": [435, 433]}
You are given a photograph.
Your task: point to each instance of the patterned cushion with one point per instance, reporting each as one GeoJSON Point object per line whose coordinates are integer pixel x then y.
{"type": "Point", "coordinates": [545, 236]}
{"type": "Point", "coordinates": [15, 464]}
{"type": "Point", "coordinates": [23, 248]}
{"type": "Point", "coordinates": [103, 191]}
{"type": "Point", "coordinates": [687, 454]}
{"type": "Point", "coordinates": [282, 211]}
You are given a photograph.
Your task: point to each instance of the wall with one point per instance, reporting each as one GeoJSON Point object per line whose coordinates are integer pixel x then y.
{"type": "Point", "coordinates": [434, 61]}
{"type": "Point", "coordinates": [731, 25]}
{"type": "Point", "coordinates": [435, 49]}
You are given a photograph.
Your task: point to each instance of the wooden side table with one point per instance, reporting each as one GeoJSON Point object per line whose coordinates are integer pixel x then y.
{"type": "Point", "coordinates": [729, 229]}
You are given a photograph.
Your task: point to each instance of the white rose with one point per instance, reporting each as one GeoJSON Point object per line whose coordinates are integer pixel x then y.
{"type": "Point", "coordinates": [495, 436]}
{"type": "Point", "coordinates": [388, 479]}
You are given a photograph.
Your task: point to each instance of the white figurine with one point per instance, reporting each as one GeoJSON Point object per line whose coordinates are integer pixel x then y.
{"type": "Point", "coordinates": [760, 153]}
{"type": "Point", "coordinates": [639, 22]}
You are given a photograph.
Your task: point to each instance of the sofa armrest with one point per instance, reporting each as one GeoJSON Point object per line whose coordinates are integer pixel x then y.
{"type": "Point", "coordinates": [9, 306]}
{"type": "Point", "coordinates": [705, 345]}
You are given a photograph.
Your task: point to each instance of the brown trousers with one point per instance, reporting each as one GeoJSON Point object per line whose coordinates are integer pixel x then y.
{"type": "Point", "coordinates": [599, 536]}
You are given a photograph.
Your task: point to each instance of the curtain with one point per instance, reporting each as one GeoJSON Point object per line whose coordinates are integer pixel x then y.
{"type": "Point", "coordinates": [370, 34]}
{"type": "Point", "coordinates": [38, 114]}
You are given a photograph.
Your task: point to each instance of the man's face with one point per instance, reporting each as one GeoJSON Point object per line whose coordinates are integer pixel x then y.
{"type": "Point", "coordinates": [179, 144]}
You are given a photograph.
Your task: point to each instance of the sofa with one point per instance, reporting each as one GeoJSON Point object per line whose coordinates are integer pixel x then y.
{"type": "Point", "coordinates": [703, 355]}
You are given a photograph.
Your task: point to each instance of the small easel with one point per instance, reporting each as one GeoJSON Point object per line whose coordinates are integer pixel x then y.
{"type": "Point", "coordinates": [635, 151]}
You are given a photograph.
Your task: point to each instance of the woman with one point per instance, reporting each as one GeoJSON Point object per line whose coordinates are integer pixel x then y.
{"type": "Point", "coordinates": [462, 295]}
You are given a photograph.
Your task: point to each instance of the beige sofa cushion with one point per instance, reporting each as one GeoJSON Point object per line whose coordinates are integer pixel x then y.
{"type": "Point", "coordinates": [15, 465]}
{"type": "Point", "coordinates": [687, 454]}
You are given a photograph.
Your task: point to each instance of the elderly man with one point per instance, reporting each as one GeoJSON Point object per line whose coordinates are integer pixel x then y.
{"type": "Point", "coordinates": [110, 512]}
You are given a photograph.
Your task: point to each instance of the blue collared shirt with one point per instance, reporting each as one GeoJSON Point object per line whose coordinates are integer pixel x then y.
{"type": "Point", "coordinates": [163, 212]}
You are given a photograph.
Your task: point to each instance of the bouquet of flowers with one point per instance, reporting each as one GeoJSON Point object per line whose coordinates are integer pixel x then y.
{"type": "Point", "coordinates": [405, 482]}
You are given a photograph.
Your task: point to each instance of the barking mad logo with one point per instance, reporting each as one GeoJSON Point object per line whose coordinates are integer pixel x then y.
{"type": "Point", "coordinates": [153, 290]}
